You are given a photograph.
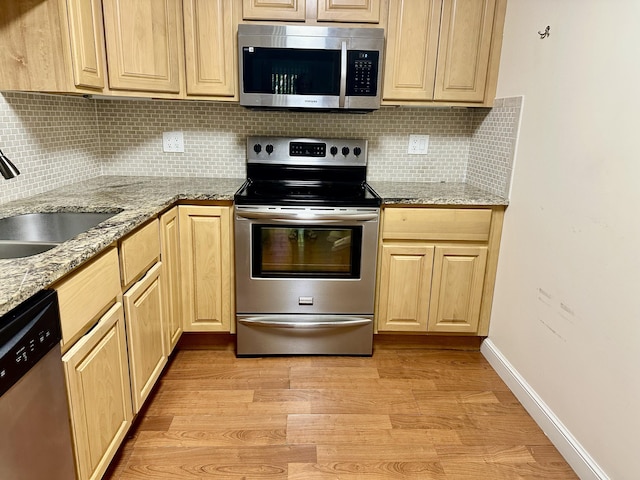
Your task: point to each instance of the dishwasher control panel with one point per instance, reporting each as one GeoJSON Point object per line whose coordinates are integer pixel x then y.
{"type": "Point", "coordinates": [27, 333]}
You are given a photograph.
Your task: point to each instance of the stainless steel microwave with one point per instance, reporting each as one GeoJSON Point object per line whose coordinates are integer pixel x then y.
{"type": "Point", "coordinates": [310, 67]}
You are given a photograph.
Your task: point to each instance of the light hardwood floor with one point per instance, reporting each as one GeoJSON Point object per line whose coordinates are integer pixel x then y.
{"type": "Point", "coordinates": [401, 414]}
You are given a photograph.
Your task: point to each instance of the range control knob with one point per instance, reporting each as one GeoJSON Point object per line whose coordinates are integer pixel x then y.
{"type": "Point", "coordinates": [269, 149]}
{"type": "Point", "coordinates": [357, 151]}
{"type": "Point", "coordinates": [257, 148]}
{"type": "Point", "coordinates": [334, 150]}
{"type": "Point", "coordinates": [345, 151]}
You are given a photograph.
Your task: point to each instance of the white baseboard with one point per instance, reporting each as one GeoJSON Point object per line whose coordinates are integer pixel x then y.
{"type": "Point", "coordinates": [575, 455]}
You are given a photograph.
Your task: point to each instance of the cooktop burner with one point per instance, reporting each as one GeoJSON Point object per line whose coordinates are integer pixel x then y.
{"type": "Point", "coordinates": [283, 171]}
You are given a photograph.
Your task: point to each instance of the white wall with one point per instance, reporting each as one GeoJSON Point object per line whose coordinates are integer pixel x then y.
{"type": "Point", "coordinates": [566, 313]}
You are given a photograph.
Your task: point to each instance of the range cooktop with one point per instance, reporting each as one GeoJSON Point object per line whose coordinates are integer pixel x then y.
{"type": "Point", "coordinates": [303, 171]}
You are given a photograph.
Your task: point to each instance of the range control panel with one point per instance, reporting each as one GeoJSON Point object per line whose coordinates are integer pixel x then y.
{"type": "Point", "coordinates": [307, 151]}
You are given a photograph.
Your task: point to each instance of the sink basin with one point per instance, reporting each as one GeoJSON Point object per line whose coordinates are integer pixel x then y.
{"type": "Point", "coordinates": [19, 250]}
{"type": "Point", "coordinates": [33, 233]}
{"type": "Point", "coordinates": [55, 227]}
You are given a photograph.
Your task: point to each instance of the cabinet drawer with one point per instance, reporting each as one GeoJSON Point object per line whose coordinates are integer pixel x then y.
{"type": "Point", "coordinates": [437, 224]}
{"type": "Point", "coordinates": [87, 293]}
{"type": "Point", "coordinates": [138, 251]}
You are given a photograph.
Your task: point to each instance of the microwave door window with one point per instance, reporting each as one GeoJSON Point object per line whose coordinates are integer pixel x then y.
{"type": "Point", "coordinates": [291, 71]}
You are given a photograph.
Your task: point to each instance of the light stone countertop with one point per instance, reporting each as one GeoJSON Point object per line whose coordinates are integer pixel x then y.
{"type": "Point", "coordinates": [414, 193]}
{"type": "Point", "coordinates": [137, 199]}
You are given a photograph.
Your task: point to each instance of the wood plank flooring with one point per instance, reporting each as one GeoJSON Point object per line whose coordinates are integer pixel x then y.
{"type": "Point", "coordinates": [401, 414]}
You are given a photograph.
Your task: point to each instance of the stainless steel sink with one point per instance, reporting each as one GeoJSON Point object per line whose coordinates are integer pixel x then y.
{"type": "Point", "coordinates": [33, 233]}
{"type": "Point", "coordinates": [19, 250]}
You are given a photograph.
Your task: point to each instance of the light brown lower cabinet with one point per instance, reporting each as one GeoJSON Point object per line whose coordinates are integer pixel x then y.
{"type": "Point", "coordinates": [97, 374]}
{"type": "Point", "coordinates": [405, 287]}
{"type": "Point", "coordinates": [144, 310]}
{"type": "Point", "coordinates": [436, 269]}
{"type": "Point", "coordinates": [206, 261]}
{"type": "Point", "coordinates": [456, 289]}
{"type": "Point", "coordinates": [170, 253]}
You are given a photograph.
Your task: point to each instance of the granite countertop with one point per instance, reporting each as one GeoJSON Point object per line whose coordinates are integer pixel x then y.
{"type": "Point", "coordinates": [137, 199]}
{"type": "Point", "coordinates": [414, 193]}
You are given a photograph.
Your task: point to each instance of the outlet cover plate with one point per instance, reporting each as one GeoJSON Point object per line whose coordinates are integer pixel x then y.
{"type": "Point", "coordinates": [173, 142]}
{"type": "Point", "coordinates": [418, 145]}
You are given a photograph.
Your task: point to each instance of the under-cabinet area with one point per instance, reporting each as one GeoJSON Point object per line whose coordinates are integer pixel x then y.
{"type": "Point", "coordinates": [437, 52]}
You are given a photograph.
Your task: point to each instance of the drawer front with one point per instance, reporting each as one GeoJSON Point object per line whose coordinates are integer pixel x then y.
{"type": "Point", "coordinates": [446, 224]}
{"type": "Point", "coordinates": [87, 293]}
{"type": "Point", "coordinates": [139, 251]}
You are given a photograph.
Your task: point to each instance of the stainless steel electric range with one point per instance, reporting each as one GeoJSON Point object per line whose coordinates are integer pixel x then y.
{"type": "Point", "coordinates": [306, 234]}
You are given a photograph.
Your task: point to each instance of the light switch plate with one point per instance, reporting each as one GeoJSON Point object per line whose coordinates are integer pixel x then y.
{"type": "Point", "coordinates": [172, 142]}
{"type": "Point", "coordinates": [418, 145]}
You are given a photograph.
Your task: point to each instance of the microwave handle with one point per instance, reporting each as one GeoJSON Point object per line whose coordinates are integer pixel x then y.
{"type": "Point", "coordinates": [343, 75]}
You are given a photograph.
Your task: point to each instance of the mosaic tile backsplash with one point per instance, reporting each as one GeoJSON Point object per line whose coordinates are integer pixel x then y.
{"type": "Point", "coordinates": [53, 140]}
{"type": "Point", "coordinates": [56, 140]}
{"type": "Point", "coordinates": [492, 146]}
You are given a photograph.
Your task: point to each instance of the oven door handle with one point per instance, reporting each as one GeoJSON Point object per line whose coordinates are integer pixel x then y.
{"type": "Point", "coordinates": [294, 218]}
{"type": "Point", "coordinates": [341, 323]}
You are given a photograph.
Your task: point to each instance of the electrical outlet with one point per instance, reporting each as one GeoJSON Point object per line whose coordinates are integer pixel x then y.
{"type": "Point", "coordinates": [418, 144]}
{"type": "Point", "coordinates": [172, 142]}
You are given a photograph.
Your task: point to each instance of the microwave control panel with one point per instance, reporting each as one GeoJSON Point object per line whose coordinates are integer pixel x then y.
{"type": "Point", "coordinates": [362, 73]}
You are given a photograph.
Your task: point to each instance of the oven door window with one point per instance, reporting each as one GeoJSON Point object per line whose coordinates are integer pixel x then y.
{"type": "Point", "coordinates": [291, 71]}
{"type": "Point", "coordinates": [306, 251]}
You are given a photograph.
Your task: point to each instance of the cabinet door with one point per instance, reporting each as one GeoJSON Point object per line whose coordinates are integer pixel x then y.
{"type": "Point", "coordinates": [289, 10]}
{"type": "Point", "coordinates": [170, 252]}
{"type": "Point", "coordinates": [405, 282]}
{"type": "Point", "coordinates": [465, 46]}
{"type": "Point", "coordinates": [143, 44]}
{"type": "Point", "coordinates": [206, 256]}
{"type": "Point", "coordinates": [87, 50]}
{"type": "Point", "coordinates": [209, 37]}
{"type": "Point", "coordinates": [365, 11]}
{"type": "Point", "coordinates": [144, 311]}
{"type": "Point", "coordinates": [97, 376]}
{"type": "Point", "coordinates": [456, 294]}
{"type": "Point", "coordinates": [412, 48]}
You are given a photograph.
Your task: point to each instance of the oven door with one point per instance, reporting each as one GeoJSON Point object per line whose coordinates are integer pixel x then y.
{"type": "Point", "coordinates": [305, 260]}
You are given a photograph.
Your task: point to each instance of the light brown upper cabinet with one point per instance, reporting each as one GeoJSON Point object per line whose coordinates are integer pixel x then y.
{"type": "Point", "coordinates": [412, 48]}
{"type": "Point", "coordinates": [52, 46]}
{"type": "Point", "coordinates": [312, 11]}
{"type": "Point", "coordinates": [209, 44]}
{"type": "Point", "coordinates": [288, 10]}
{"type": "Point", "coordinates": [143, 40]}
{"type": "Point", "coordinates": [443, 51]}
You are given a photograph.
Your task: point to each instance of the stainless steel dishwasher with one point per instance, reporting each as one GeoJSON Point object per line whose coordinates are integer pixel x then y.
{"type": "Point", "coordinates": [35, 436]}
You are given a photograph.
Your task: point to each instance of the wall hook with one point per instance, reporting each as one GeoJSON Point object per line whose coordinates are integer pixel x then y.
{"type": "Point", "coordinates": [546, 33]}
